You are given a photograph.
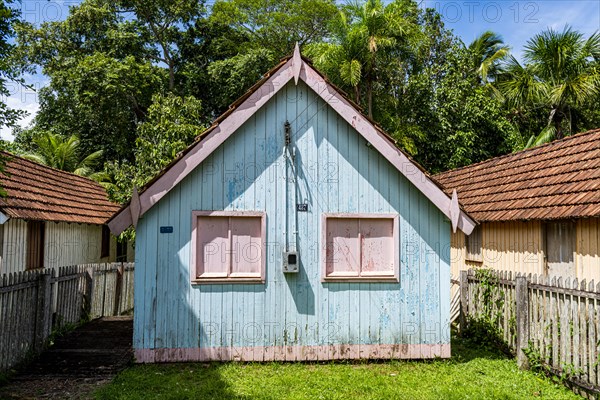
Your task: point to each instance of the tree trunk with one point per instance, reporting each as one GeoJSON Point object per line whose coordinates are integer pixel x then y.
{"type": "Point", "coordinates": [557, 125]}
{"type": "Point", "coordinates": [370, 97]}
{"type": "Point", "coordinates": [357, 95]}
{"type": "Point", "coordinates": [171, 75]}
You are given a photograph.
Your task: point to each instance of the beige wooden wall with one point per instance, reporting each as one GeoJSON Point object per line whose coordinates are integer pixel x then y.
{"type": "Point", "coordinates": [64, 244]}
{"type": "Point", "coordinates": [72, 244]}
{"type": "Point", "coordinates": [519, 247]}
{"type": "Point", "coordinates": [14, 246]}
{"type": "Point", "coordinates": [587, 258]}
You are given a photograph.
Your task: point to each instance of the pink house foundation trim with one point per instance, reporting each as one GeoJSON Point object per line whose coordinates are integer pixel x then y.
{"type": "Point", "coordinates": [295, 353]}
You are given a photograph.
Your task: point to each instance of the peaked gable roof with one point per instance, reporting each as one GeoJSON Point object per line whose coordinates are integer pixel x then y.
{"type": "Point", "coordinates": [39, 192]}
{"type": "Point", "coordinates": [297, 68]}
{"type": "Point", "coordinates": [553, 181]}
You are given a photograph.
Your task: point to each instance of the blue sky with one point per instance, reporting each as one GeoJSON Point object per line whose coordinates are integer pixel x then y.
{"type": "Point", "coordinates": [516, 21]}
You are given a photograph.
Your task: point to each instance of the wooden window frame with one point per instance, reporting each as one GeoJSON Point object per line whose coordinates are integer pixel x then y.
{"type": "Point", "coordinates": [105, 242]}
{"type": "Point", "coordinates": [473, 257]}
{"type": "Point", "coordinates": [195, 279]}
{"type": "Point", "coordinates": [573, 239]}
{"type": "Point", "coordinates": [121, 250]}
{"type": "Point", "coordinates": [35, 258]}
{"type": "Point", "coordinates": [392, 277]}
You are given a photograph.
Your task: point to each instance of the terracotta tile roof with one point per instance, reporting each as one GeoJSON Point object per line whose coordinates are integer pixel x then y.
{"type": "Point", "coordinates": [557, 180]}
{"type": "Point", "coordinates": [38, 192]}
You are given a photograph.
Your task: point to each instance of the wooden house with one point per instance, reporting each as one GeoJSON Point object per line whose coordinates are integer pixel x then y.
{"type": "Point", "coordinates": [51, 218]}
{"type": "Point", "coordinates": [538, 210]}
{"type": "Point", "coordinates": [292, 229]}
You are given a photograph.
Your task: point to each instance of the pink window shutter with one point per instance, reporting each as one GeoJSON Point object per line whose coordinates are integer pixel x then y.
{"type": "Point", "coordinates": [213, 247]}
{"type": "Point", "coordinates": [342, 247]}
{"type": "Point", "coordinates": [377, 247]}
{"type": "Point", "coordinates": [246, 246]}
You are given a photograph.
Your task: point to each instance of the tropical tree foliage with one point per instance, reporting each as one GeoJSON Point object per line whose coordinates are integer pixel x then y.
{"type": "Point", "coordinates": [161, 23]}
{"type": "Point", "coordinates": [171, 126]}
{"type": "Point", "coordinates": [560, 75]}
{"type": "Point", "coordinates": [63, 153]}
{"type": "Point", "coordinates": [487, 52]}
{"type": "Point", "coordinates": [135, 81]}
{"type": "Point", "coordinates": [277, 25]}
{"type": "Point", "coordinates": [9, 65]}
{"type": "Point", "coordinates": [101, 77]}
{"type": "Point", "coordinates": [466, 124]}
{"type": "Point", "coordinates": [10, 69]}
{"type": "Point", "coordinates": [362, 35]}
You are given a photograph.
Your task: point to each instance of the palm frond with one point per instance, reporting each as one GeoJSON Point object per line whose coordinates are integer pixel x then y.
{"type": "Point", "coordinates": [63, 153]}
{"type": "Point", "coordinates": [491, 63]}
{"type": "Point", "coordinates": [92, 159]}
{"type": "Point", "coordinates": [530, 142]}
{"type": "Point", "coordinates": [487, 52]}
{"type": "Point", "coordinates": [34, 157]}
{"type": "Point", "coordinates": [350, 72]}
{"type": "Point", "coordinates": [546, 136]}
{"type": "Point", "coordinates": [519, 84]}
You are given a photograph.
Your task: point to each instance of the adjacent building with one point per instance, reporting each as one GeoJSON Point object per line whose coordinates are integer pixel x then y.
{"type": "Point", "coordinates": [51, 218]}
{"type": "Point", "coordinates": [538, 210]}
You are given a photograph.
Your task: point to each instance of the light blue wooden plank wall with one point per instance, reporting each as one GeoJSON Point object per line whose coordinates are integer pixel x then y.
{"type": "Point", "coordinates": [336, 172]}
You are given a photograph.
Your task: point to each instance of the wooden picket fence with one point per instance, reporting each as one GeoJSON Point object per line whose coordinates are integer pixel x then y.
{"type": "Point", "coordinates": [34, 303]}
{"type": "Point", "coordinates": [112, 290]}
{"type": "Point", "coordinates": [551, 322]}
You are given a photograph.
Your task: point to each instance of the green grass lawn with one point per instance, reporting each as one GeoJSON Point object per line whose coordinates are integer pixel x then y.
{"type": "Point", "coordinates": [472, 373]}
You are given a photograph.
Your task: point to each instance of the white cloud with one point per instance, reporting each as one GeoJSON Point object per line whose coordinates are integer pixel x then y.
{"type": "Point", "coordinates": [24, 98]}
{"type": "Point", "coordinates": [31, 109]}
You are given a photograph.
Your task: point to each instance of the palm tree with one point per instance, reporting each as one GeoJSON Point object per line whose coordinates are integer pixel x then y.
{"type": "Point", "coordinates": [560, 74]}
{"type": "Point", "coordinates": [361, 33]}
{"type": "Point", "coordinates": [62, 153]}
{"type": "Point", "coordinates": [487, 51]}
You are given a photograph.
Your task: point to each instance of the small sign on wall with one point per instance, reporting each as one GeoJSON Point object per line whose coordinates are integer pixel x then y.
{"type": "Point", "coordinates": [166, 229]}
{"type": "Point", "coordinates": [302, 207]}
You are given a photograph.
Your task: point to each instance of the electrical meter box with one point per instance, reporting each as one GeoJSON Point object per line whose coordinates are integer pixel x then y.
{"type": "Point", "coordinates": [291, 262]}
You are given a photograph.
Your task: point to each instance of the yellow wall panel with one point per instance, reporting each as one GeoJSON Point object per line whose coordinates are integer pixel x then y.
{"type": "Point", "coordinates": [520, 247]}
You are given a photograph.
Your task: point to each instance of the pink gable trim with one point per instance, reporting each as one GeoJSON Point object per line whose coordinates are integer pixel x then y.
{"type": "Point", "coordinates": [135, 207]}
{"type": "Point", "coordinates": [297, 63]}
{"type": "Point", "coordinates": [201, 150]}
{"type": "Point", "coordinates": [121, 221]}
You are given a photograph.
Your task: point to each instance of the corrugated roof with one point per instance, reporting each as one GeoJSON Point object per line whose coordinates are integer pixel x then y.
{"type": "Point", "coordinates": [38, 192]}
{"type": "Point", "coordinates": [554, 181]}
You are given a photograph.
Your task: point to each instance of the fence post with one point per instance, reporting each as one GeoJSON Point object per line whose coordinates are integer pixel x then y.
{"type": "Point", "coordinates": [89, 290]}
{"type": "Point", "coordinates": [44, 310]}
{"type": "Point", "coordinates": [522, 311]}
{"type": "Point", "coordinates": [118, 286]}
{"type": "Point", "coordinates": [464, 300]}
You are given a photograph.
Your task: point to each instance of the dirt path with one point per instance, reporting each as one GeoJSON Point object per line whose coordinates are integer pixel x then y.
{"type": "Point", "coordinates": [77, 363]}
